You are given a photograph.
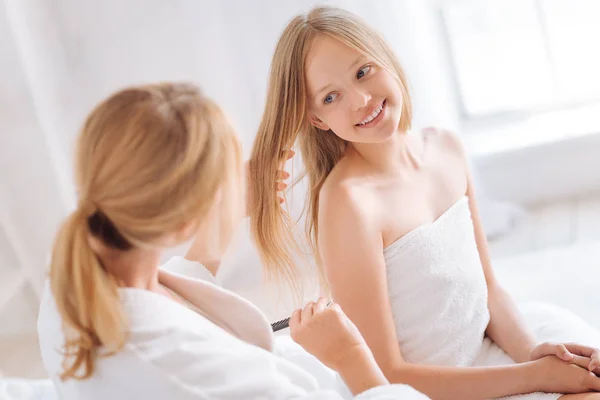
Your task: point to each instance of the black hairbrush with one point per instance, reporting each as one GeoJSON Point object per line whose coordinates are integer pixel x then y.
{"type": "Point", "coordinates": [279, 325]}
{"type": "Point", "coordinates": [284, 323]}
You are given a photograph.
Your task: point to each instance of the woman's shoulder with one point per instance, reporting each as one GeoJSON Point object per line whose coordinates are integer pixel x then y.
{"type": "Point", "coordinates": [151, 318]}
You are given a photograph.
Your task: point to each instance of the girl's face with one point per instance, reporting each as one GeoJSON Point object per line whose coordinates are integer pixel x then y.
{"type": "Point", "coordinates": [349, 94]}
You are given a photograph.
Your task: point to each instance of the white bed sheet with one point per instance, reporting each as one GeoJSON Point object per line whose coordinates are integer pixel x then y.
{"type": "Point", "coordinates": [567, 277]}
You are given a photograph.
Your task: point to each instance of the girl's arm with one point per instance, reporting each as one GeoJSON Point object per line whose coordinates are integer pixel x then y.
{"type": "Point", "coordinates": [507, 327]}
{"type": "Point", "coordinates": [352, 253]}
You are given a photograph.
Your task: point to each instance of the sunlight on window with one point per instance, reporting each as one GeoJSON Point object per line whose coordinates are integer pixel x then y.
{"type": "Point", "coordinates": [573, 29]}
{"type": "Point", "coordinates": [536, 129]}
{"type": "Point", "coordinates": [524, 55]}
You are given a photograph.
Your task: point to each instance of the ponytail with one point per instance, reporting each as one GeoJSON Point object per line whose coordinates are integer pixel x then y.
{"type": "Point", "coordinates": [87, 299]}
{"type": "Point", "coordinates": [150, 160]}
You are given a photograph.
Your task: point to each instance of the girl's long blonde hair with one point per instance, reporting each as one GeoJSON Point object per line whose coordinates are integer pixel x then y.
{"type": "Point", "coordinates": [285, 120]}
{"type": "Point", "coordinates": [149, 161]}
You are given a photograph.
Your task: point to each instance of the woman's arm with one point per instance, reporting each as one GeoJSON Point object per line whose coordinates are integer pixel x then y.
{"type": "Point", "coordinates": [352, 253]}
{"type": "Point", "coordinates": [196, 368]}
{"type": "Point", "coordinates": [204, 249]}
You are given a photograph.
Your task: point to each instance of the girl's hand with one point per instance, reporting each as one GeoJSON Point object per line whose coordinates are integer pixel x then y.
{"type": "Point", "coordinates": [554, 375]}
{"type": "Point", "coordinates": [585, 357]}
{"type": "Point", "coordinates": [280, 186]}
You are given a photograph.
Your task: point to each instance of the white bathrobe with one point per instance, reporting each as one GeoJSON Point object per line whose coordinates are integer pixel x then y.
{"type": "Point", "coordinates": [223, 351]}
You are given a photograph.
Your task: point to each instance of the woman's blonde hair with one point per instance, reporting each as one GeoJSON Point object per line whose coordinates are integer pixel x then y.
{"type": "Point", "coordinates": [285, 120]}
{"type": "Point", "coordinates": [150, 160]}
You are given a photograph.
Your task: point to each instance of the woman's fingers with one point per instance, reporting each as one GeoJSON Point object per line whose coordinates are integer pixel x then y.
{"type": "Point", "coordinates": [296, 318]}
{"type": "Point", "coordinates": [287, 154]}
{"type": "Point", "coordinates": [308, 311]}
{"type": "Point", "coordinates": [321, 305]}
{"type": "Point", "coordinates": [281, 174]}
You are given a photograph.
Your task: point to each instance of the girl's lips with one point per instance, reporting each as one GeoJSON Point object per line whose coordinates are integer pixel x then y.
{"type": "Point", "coordinates": [375, 120]}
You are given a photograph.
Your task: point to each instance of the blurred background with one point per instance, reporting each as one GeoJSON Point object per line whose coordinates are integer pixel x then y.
{"type": "Point", "coordinates": [517, 79]}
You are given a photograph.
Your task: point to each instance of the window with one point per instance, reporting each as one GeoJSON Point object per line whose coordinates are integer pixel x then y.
{"type": "Point", "coordinates": [524, 55]}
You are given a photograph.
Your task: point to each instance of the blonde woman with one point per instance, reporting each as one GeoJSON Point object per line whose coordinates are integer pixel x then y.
{"type": "Point", "coordinates": [393, 218]}
{"type": "Point", "coordinates": [156, 165]}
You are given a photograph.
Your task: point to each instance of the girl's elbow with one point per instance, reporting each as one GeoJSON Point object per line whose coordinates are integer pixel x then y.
{"type": "Point", "coordinates": [397, 371]}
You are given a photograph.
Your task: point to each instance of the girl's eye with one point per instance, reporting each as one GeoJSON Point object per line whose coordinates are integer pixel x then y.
{"type": "Point", "coordinates": [330, 98]}
{"type": "Point", "coordinates": [363, 71]}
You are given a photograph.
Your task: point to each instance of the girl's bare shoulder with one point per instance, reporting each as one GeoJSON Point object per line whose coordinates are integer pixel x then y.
{"type": "Point", "coordinates": [442, 139]}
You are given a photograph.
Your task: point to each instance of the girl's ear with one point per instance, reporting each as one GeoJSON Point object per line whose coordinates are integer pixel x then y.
{"type": "Point", "coordinates": [316, 122]}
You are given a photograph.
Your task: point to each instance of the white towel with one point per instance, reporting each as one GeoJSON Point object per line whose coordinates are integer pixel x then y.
{"type": "Point", "coordinates": [438, 296]}
{"type": "Point", "coordinates": [438, 291]}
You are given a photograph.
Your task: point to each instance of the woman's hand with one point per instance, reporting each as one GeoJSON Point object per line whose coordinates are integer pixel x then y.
{"type": "Point", "coordinates": [329, 335]}
{"type": "Point", "coordinates": [326, 333]}
{"type": "Point", "coordinates": [280, 186]}
{"type": "Point", "coordinates": [554, 375]}
{"type": "Point", "coordinates": [583, 356]}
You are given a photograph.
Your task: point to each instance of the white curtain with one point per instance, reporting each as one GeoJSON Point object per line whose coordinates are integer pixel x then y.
{"type": "Point", "coordinates": [63, 56]}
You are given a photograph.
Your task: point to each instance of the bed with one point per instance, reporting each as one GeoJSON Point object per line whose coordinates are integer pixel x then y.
{"type": "Point", "coordinates": [546, 283]}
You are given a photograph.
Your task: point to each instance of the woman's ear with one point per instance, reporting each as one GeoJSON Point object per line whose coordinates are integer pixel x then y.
{"type": "Point", "coordinates": [186, 232]}
{"type": "Point", "coordinates": [317, 123]}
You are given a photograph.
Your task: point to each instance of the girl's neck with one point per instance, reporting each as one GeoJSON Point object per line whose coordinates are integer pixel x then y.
{"type": "Point", "coordinates": [388, 156]}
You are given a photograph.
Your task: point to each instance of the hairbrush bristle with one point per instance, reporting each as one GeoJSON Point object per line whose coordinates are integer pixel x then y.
{"type": "Point", "coordinates": [279, 325]}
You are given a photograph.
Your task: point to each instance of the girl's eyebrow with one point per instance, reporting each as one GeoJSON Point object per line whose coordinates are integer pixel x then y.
{"type": "Point", "coordinates": [352, 66]}
{"type": "Point", "coordinates": [357, 61]}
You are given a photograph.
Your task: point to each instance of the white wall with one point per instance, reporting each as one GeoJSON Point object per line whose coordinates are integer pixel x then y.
{"type": "Point", "coordinates": [543, 173]}
{"type": "Point", "coordinates": [60, 57]}
{"type": "Point", "coordinates": [30, 203]}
